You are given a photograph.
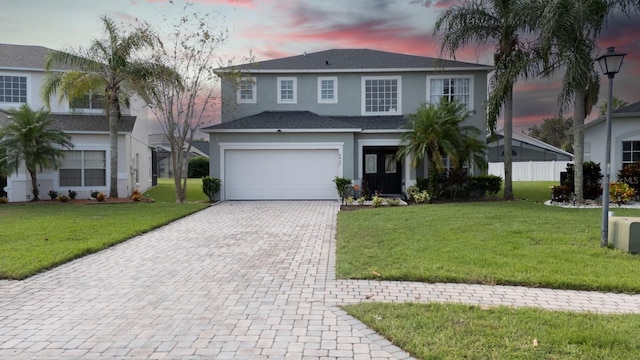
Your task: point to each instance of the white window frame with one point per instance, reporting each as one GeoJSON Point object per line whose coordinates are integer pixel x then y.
{"type": "Point", "coordinates": [470, 105]}
{"type": "Point", "coordinates": [89, 109]}
{"type": "Point", "coordinates": [254, 98]}
{"type": "Point", "coordinates": [294, 82]}
{"type": "Point", "coordinates": [398, 110]}
{"type": "Point", "coordinates": [334, 80]}
{"type": "Point", "coordinates": [26, 90]}
{"type": "Point", "coordinates": [83, 168]}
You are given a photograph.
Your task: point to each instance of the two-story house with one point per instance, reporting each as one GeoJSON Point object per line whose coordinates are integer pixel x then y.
{"type": "Point", "coordinates": [291, 125]}
{"type": "Point", "coordinates": [86, 166]}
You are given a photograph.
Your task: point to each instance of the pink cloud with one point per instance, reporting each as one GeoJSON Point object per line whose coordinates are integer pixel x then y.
{"type": "Point", "coordinates": [239, 3]}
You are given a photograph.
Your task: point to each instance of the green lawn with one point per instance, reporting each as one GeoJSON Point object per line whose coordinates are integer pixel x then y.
{"type": "Point", "coordinates": [521, 242]}
{"type": "Point", "coordinates": [165, 191]}
{"type": "Point", "coordinates": [37, 237]}
{"type": "Point", "coordinates": [452, 331]}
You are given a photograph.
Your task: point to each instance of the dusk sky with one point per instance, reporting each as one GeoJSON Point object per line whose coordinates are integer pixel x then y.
{"type": "Point", "coordinates": [277, 28]}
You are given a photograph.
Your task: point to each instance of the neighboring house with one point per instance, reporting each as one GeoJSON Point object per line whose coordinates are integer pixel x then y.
{"type": "Point", "coordinates": [291, 125]}
{"type": "Point", "coordinates": [625, 139]}
{"type": "Point", "coordinates": [86, 166]}
{"type": "Point", "coordinates": [533, 159]}
{"type": "Point", "coordinates": [163, 150]}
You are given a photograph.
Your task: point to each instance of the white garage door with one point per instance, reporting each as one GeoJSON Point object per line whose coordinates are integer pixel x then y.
{"type": "Point", "coordinates": [298, 174]}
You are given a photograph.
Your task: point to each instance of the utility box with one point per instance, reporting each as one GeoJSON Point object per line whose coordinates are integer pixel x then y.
{"type": "Point", "coordinates": [624, 233]}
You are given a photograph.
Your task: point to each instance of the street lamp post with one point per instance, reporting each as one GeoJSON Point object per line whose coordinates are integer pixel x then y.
{"type": "Point", "coordinates": [610, 64]}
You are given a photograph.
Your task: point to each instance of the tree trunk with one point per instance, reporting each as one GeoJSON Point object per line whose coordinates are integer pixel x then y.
{"type": "Point", "coordinates": [178, 174]}
{"type": "Point", "coordinates": [34, 184]}
{"type": "Point", "coordinates": [113, 147]}
{"type": "Point", "coordinates": [578, 145]}
{"type": "Point", "coordinates": [508, 135]}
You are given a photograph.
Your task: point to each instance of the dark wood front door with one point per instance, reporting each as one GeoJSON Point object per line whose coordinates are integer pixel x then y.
{"type": "Point", "coordinates": [382, 171]}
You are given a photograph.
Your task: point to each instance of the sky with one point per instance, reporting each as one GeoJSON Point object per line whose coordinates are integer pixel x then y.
{"type": "Point", "coordinates": [269, 29]}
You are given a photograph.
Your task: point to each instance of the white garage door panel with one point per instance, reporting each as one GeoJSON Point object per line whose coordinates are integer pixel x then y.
{"type": "Point", "coordinates": [280, 174]}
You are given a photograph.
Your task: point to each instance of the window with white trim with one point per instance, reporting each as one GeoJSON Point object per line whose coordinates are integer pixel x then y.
{"type": "Point", "coordinates": [327, 90]}
{"type": "Point", "coordinates": [89, 101]}
{"type": "Point", "coordinates": [13, 89]}
{"type": "Point", "coordinates": [381, 95]}
{"type": "Point", "coordinates": [450, 88]}
{"type": "Point", "coordinates": [287, 90]}
{"type": "Point", "coordinates": [246, 92]}
{"type": "Point", "coordinates": [83, 168]}
{"type": "Point", "coordinates": [630, 152]}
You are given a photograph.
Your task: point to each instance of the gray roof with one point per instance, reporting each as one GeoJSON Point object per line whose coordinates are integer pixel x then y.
{"type": "Point", "coordinates": [82, 122]}
{"type": "Point", "coordinates": [629, 110]}
{"type": "Point", "coordinates": [309, 120]}
{"type": "Point", "coordinates": [356, 59]}
{"type": "Point", "coordinates": [201, 145]}
{"type": "Point", "coordinates": [22, 56]}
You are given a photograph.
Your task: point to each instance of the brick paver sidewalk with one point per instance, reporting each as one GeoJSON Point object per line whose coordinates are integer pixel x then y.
{"type": "Point", "coordinates": [239, 280]}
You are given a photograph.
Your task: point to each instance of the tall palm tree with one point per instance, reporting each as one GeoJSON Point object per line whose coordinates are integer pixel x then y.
{"type": "Point", "coordinates": [568, 34]}
{"type": "Point", "coordinates": [435, 132]}
{"type": "Point", "coordinates": [498, 23]}
{"type": "Point", "coordinates": [112, 67]}
{"type": "Point", "coordinates": [30, 138]}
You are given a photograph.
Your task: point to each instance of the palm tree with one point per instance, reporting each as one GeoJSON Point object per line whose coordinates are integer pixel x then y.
{"type": "Point", "coordinates": [568, 33]}
{"type": "Point", "coordinates": [436, 132]}
{"type": "Point", "coordinates": [110, 67]}
{"type": "Point", "coordinates": [499, 23]}
{"type": "Point", "coordinates": [617, 104]}
{"type": "Point", "coordinates": [30, 138]}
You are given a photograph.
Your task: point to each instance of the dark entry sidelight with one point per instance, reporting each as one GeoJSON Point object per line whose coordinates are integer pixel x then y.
{"type": "Point", "coordinates": [3, 184]}
{"type": "Point", "coordinates": [382, 171]}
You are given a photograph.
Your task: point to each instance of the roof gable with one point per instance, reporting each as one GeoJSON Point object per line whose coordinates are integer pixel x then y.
{"type": "Point", "coordinates": [357, 59]}
{"type": "Point", "coordinates": [23, 56]}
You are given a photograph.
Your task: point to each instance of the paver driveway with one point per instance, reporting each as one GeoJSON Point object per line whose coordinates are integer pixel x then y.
{"type": "Point", "coordinates": [241, 280]}
{"type": "Point", "coordinates": [237, 280]}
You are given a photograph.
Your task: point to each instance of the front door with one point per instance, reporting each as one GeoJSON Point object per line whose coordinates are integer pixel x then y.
{"type": "Point", "coordinates": [382, 171]}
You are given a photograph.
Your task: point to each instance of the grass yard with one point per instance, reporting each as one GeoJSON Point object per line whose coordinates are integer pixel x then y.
{"type": "Point", "coordinates": [37, 237]}
{"type": "Point", "coordinates": [522, 242]}
{"type": "Point", "coordinates": [452, 331]}
{"type": "Point", "coordinates": [165, 191]}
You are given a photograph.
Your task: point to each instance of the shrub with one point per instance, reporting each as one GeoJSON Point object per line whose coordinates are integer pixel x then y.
{"type": "Point", "coordinates": [349, 200]}
{"type": "Point", "coordinates": [377, 201]}
{"type": "Point", "coordinates": [53, 194]}
{"type": "Point", "coordinates": [366, 192]}
{"type": "Point", "coordinates": [3, 200]}
{"type": "Point", "coordinates": [62, 198]}
{"type": "Point", "coordinates": [72, 194]}
{"type": "Point", "coordinates": [489, 184]}
{"type": "Point", "coordinates": [561, 193]}
{"type": "Point", "coordinates": [422, 184]}
{"type": "Point", "coordinates": [343, 186]}
{"type": "Point", "coordinates": [210, 187]}
{"type": "Point", "coordinates": [100, 196]}
{"type": "Point", "coordinates": [136, 195]}
{"type": "Point", "coordinates": [592, 177]}
{"type": "Point", "coordinates": [198, 167]}
{"type": "Point", "coordinates": [621, 189]}
{"type": "Point", "coordinates": [393, 202]}
{"type": "Point", "coordinates": [630, 174]}
{"type": "Point", "coordinates": [361, 200]}
{"type": "Point", "coordinates": [417, 195]}
{"type": "Point", "coordinates": [94, 194]}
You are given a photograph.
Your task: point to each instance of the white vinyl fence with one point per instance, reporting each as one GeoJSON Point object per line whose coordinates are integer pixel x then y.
{"type": "Point", "coordinates": [532, 170]}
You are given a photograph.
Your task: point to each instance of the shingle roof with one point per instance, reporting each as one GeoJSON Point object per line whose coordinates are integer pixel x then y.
{"type": "Point", "coordinates": [23, 56]}
{"type": "Point", "coordinates": [81, 122]}
{"type": "Point", "coordinates": [309, 120]}
{"type": "Point", "coordinates": [629, 110]}
{"type": "Point", "coordinates": [356, 59]}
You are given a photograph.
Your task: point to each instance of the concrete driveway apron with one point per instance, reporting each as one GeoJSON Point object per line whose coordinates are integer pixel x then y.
{"type": "Point", "coordinates": [239, 280]}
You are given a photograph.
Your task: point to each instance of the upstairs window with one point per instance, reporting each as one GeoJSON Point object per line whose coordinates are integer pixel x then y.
{"type": "Point", "coordinates": [450, 88]}
{"type": "Point", "coordinates": [89, 101]}
{"type": "Point", "coordinates": [246, 92]}
{"type": "Point", "coordinates": [13, 89]}
{"type": "Point", "coordinates": [287, 90]}
{"type": "Point", "coordinates": [328, 90]}
{"type": "Point", "coordinates": [381, 95]}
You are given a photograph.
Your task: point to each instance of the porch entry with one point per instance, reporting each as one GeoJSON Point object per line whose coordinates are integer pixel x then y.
{"type": "Point", "coordinates": [382, 171]}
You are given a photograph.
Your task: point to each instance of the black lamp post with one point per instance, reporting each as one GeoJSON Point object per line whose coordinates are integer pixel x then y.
{"type": "Point", "coordinates": [610, 64]}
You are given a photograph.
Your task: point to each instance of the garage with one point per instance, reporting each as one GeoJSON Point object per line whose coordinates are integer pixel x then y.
{"type": "Point", "coordinates": [281, 174]}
